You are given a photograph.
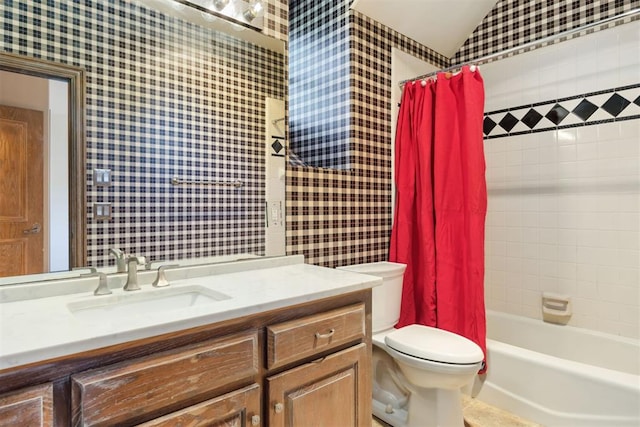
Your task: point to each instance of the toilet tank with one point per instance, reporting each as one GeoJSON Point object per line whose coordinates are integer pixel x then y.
{"type": "Point", "coordinates": [386, 297]}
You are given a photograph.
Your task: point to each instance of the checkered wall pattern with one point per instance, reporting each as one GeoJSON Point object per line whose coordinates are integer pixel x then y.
{"type": "Point", "coordinates": [276, 19]}
{"type": "Point", "coordinates": [319, 83]}
{"type": "Point", "coordinates": [164, 98]}
{"type": "Point", "coordinates": [604, 106]}
{"type": "Point", "coordinates": [336, 65]}
{"type": "Point", "coordinates": [340, 217]}
{"type": "Point", "coordinates": [513, 23]}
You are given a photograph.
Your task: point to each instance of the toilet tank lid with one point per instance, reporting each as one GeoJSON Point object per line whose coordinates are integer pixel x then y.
{"type": "Point", "coordinates": [379, 269]}
{"type": "Point", "coordinates": [434, 344]}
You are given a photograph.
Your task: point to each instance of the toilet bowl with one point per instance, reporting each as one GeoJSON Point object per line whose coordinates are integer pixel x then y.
{"type": "Point", "coordinates": [418, 370]}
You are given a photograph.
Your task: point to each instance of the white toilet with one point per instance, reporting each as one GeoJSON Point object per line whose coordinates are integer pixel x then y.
{"type": "Point", "coordinates": [418, 371]}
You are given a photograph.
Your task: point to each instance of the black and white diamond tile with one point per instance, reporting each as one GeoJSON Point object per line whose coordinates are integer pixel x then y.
{"type": "Point", "coordinates": [605, 106]}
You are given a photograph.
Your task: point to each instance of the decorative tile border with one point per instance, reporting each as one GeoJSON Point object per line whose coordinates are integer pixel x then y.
{"type": "Point", "coordinates": [622, 103]}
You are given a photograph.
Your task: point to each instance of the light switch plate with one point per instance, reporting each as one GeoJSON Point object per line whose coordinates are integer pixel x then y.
{"type": "Point", "coordinates": [102, 211]}
{"type": "Point", "coordinates": [102, 177]}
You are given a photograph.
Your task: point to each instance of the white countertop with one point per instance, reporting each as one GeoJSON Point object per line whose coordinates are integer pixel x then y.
{"type": "Point", "coordinates": [42, 327]}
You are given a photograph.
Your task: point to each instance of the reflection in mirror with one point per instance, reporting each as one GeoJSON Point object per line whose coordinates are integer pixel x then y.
{"type": "Point", "coordinates": [166, 96]}
{"type": "Point", "coordinates": [41, 144]}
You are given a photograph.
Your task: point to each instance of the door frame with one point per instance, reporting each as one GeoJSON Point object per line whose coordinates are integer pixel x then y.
{"type": "Point", "coordinates": [75, 77]}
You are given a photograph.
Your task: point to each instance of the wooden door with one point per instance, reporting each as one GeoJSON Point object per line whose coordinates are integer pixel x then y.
{"type": "Point", "coordinates": [333, 391]}
{"type": "Point", "coordinates": [21, 191]}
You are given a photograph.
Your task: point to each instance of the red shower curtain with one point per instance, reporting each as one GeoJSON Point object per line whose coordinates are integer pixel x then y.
{"type": "Point", "coordinates": [441, 204]}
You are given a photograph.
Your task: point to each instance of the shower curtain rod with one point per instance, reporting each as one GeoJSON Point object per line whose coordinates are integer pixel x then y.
{"type": "Point", "coordinates": [535, 43]}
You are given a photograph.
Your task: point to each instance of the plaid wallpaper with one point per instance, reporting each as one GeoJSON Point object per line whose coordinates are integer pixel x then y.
{"type": "Point", "coordinates": [343, 217]}
{"type": "Point", "coordinates": [339, 217]}
{"type": "Point", "coordinates": [319, 83]}
{"type": "Point", "coordinates": [164, 98]}
{"type": "Point", "coordinates": [512, 23]}
{"type": "Point", "coordinates": [154, 112]}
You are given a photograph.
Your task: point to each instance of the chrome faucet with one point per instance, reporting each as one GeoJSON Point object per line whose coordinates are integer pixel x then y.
{"type": "Point", "coordinates": [161, 278]}
{"type": "Point", "coordinates": [121, 259]}
{"type": "Point", "coordinates": [132, 273]}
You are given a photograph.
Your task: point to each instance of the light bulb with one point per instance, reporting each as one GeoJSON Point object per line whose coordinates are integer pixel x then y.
{"type": "Point", "coordinates": [220, 4]}
{"type": "Point", "coordinates": [252, 12]}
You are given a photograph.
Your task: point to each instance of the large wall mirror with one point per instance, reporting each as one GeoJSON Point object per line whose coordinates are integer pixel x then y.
{"type": "Point", "coordinates": [155, 90]}
{"type": "Point", "coordinates": [42, 158]}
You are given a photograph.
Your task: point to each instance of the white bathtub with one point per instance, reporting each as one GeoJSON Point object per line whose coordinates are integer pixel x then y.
{"type": "Point", "coordinates": [560, 375]}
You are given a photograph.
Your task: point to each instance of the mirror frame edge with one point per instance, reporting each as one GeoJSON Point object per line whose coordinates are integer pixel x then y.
{"type": "Point", "coordinates": [76, 78]}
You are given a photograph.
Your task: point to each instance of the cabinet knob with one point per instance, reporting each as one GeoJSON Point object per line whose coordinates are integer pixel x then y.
{"type": "Point", "coordinates": [255, 420]}
{"type": "Point", "coordinates": [279, 407]}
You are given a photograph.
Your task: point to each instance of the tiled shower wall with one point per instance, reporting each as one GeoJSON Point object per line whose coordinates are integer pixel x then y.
{"type": "Point", "coordinates": [340, 217]}
{"type": "Point", "coordinates": [564, 180]}
{"type": "Point", "coordinates": [164, 98]}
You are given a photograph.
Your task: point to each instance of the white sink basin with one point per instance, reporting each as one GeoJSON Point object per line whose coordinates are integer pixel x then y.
{"type": "Point", "coordinates": [144, 301]}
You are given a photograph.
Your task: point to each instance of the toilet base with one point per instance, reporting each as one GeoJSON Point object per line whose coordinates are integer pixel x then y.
{"type": "Point", "coordinates": [435, 407]}
{"type": "Point", "coordinates": [428, 408]}
{"type": "Point", "coordinates": [398, 418]}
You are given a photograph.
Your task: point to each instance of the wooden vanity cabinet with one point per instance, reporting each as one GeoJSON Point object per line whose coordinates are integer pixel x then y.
{"type": "Point", "coordinates": [325, 392]}
{"type": "Point", "coordinates": [238, 408]}
{"type": "Point", "coordinates": [32, 406]}
{"type": "Point", "coordinates": [302, 365]}
{"type": "Point", "coordinates": [136, 390]}
{"type": "Point", "coordinates": [328, 391]}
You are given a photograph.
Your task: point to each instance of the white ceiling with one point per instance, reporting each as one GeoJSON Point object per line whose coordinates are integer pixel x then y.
{"type": "Point", "coordinates": [442, 25]}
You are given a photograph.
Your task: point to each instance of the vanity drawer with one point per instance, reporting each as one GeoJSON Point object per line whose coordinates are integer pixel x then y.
{"type": "Point", "coordinates": [28, 407]}
{"type": "Point", "coordinates": [151, 385]}
{"type": "Point", "coordinates": [238, 408]}
{"type": "Point", "coordinates": [296, 339]}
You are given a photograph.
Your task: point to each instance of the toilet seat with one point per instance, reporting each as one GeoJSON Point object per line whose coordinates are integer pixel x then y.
{"type": "Point", "coordinates": [435, 345]}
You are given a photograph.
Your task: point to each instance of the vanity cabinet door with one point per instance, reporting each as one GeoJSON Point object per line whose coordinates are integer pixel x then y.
{"type": "Point", "coordinates": [238, 409]}
{"type": "Point", "coordinates": [27, 407]}
{"type": "Point", "coordinates": [151, 386]}
{"type": "Point", "coordinates": [332, 391]}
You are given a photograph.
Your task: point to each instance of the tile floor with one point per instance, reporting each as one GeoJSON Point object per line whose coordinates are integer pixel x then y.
{"type": "Point", "coordinates": [479, 414]}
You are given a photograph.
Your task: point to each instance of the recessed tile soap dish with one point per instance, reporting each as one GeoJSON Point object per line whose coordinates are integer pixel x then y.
{"type": "Point", "coordinates": [556, 308]}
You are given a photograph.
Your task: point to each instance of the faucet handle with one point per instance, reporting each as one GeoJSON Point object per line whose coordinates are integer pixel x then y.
{"type": "Point", "coordinates": [149, 263]}
{"type": "Point", "coordinates": [161, 278]}
{"type": "Point", "coordinates": [103, 285]}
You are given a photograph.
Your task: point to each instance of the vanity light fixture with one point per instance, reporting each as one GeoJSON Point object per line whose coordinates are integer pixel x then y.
{"type": "Point", "coordinates": [254, 9]}
{"type": "Point", "coordinates": [241, 13]}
